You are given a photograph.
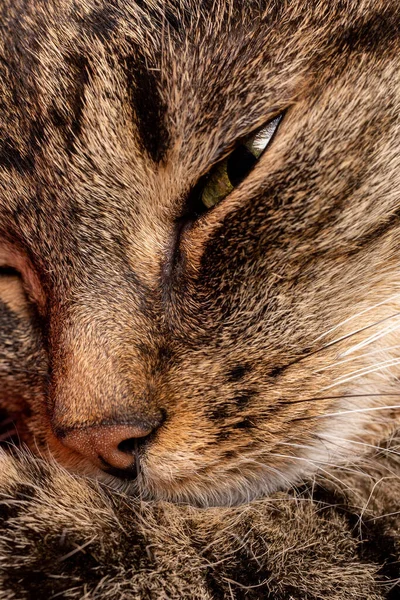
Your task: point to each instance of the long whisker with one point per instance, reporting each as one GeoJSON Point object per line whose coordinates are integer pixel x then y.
{"type": "Point", "coordinates": [318, 464]}
{"type": "Point", "coordinates": [364, 371]}
{"type": "Point", "coordinates": [341, 339]}
{"type": "Point", "coordinates": [362, 312]}
{"type": "Point", "coordinates": [379, 449]}
{"type": "Point", "coordinates": [338, 397]}
{"type": "Point", "coordinates": [347, 412]}
{"type": "Point", "coordinates": [360, 330]}
{"type": "Point", "coordinates": [373, 338]}
{"type": "Point", "coordinates": [347, 360]}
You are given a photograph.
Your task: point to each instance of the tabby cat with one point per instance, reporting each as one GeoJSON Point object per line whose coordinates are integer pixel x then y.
{"type": "Point", "coordinates": [200, 238]}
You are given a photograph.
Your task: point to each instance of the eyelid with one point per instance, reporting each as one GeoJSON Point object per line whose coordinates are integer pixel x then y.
{"type": "Point", "coordinates": [11, 257]}
{"type": "Point", "coordinates": [216, 179]}
{"type": "Point", "coordinates": [243, 139]}
{"type": "Point", "coordinates": [194, 207]}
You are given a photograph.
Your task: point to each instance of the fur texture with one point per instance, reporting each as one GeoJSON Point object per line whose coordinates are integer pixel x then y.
{"type": "Point", "coordinates": [64, 537]}
{"type": "Point", "coordinates": [241, 336]}
{"type": "Point", "coordinates": [258, 341]}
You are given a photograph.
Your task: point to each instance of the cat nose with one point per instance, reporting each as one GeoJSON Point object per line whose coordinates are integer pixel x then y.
{"type": "Point", "coordinates": [111, 447]}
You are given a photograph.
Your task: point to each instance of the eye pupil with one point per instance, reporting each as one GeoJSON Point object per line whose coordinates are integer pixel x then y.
{"type": "Point", "coordinates": [239, 164]}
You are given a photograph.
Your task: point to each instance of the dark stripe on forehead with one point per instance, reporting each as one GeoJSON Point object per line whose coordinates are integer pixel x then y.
{"type": "Point", "coordinates": [12, 158]}
{"type": "Point", "coordinates": [375, 32]}
{"type": "Point", "coordinates": [148, 107]}
{"type": "Point", "coordinates": [76, 99]}
{"type": "Point", "coordinates": [102, 22]}
{"type": "Point", "coordinates": [68, 107]}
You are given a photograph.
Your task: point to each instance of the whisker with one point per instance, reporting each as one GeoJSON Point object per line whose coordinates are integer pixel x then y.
{"type": "Point", "coordinates": [343, 338]}
{"type": "Point", "coordinates": [362, 312]}
{"type": "Point", "coordinates": [347, 412]}
{"type": "Point", "coordinates": [347, 360]}
{"type": "Point", "coordinates": [364, 371]}
{"type": "Point", "coordinates": [318, 464]}
{"type": "Point", "coordinates": [348, 335]}
{"type": "Point", "coordinates": [338, 397]}
{"type": "Point", "coordinates": [379, 449]}
{"type": "Point", "coordinates": [372, 338]}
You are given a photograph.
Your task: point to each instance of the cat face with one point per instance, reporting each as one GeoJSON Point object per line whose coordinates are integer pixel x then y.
{"type": "Point", "coordinates": [194, 349]}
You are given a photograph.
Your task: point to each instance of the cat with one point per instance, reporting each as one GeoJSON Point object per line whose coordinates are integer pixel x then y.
{"type": "Point", "coordinates": [199, 226]}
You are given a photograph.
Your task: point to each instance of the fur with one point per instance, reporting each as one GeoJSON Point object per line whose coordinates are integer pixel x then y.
{"type": "Point", "coordinates": [249, 331]}
{"type": "Point", "coordinates": [260, 336]}
{"type": "Point", "coordinates": [66, 537]}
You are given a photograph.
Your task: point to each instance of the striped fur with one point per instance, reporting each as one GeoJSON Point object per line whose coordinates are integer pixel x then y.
{"type": "Point", "coordinates": [250, 327]}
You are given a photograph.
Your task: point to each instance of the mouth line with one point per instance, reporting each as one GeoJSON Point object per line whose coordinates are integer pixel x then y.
{"type": "Point", "coordinates": [129, 474]}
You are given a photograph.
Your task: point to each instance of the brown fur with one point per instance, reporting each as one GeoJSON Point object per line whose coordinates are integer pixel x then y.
{"type": "Point", "coordinates": [64, 537]}
{"type": "Point", "coordinates": [234, 325]}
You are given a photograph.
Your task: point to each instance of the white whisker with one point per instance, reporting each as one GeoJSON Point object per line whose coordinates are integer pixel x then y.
{"type": "Point", "coordinates": [360, 330]}
{"type": "Point", "coordinates": [366, 354]}
{"type": "Point", "coordinates": [362, 312]}
{"type": "Point", "coordinates": [371, 339]}
{"type": "Point", "coordinates": [361, 372]}
{"type": "Point", "coordinates": [357, 410]}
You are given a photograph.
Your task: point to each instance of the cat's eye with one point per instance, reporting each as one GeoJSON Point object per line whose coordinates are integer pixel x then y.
{"type": "Point", "coordinates": [230, 172]}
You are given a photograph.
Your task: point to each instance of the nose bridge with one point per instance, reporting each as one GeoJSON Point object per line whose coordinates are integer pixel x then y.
{"type": "Point", "coordinates": [97, 374]}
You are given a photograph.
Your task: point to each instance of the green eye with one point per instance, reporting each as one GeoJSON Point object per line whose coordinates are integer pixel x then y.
{"type": "Point", "coordinates": [230, 172]}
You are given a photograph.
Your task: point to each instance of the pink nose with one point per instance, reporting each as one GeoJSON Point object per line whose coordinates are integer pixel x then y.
{"type": "Point", "coordinates": [110, 447]}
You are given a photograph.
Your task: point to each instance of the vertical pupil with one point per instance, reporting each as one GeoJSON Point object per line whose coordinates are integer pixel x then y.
{"type": "Point", "coordinates": [240, 162]}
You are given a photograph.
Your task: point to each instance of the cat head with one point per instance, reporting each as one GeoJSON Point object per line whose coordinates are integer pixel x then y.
{"type": "Point", "coordinates": [202, 202]}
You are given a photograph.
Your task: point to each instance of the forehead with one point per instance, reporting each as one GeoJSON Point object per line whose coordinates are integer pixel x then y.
{"type": "Point", "coordinates": [208, 58]}
{"type": "Point", "coordinates": [116, 109]}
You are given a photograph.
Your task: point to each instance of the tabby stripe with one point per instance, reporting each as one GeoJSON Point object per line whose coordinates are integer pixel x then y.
{"type": "Point", "coordinates": [148, 108]}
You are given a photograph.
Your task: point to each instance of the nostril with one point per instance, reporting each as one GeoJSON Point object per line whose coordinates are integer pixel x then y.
{"type": "Point", "coordinates": [128, 446]}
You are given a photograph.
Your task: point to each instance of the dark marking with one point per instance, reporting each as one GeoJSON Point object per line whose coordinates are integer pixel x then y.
{"type": "Point", "coordinates": [238, 372]}
{"type": "Point", "coordinates": [230, 454]}
{"type": "Point", "coordinates": [11, 158]}
{"type": "Point", "coordinates": [102, 23]}
{"type": "Point", "coordinates": [245, 424]}
{"type": "Point", "coordinates": [243, 397]}
{"type": "Point", "coordinates": [221, 411]}
{"type": "Point", "coordinates": [276, 371]}
{"type": "Point", "coordinates": [378, 32]}
{"type": "Point", "coordinates": [223, 435]}
{"type": "Point", "coordinates": [149, 109]}
{"type": "Point", "coordinates": [174, 19]}
{"type": "Point", "coordinates": [80, 71]}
